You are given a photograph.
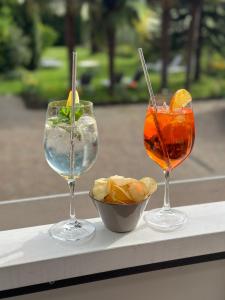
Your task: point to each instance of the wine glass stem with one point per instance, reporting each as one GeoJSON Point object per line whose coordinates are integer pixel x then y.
{"type": "Point", "coordinates": [166, 204]}
{"type": "Point", "coordinates": [71, 184]}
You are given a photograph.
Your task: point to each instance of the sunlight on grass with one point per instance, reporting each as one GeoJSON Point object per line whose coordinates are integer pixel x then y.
{"type": "Point", "coordinates": [53, 83]}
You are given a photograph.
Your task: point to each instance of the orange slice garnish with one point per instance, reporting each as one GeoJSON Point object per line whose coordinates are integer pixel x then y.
{"type": "Point", "coordinates": [180, 99]}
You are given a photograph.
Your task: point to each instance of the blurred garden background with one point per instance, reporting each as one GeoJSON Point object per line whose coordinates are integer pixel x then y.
{"type": "Point", "coordinates": [183, 41]}
{"type": "Point", "coordinates": [184, 46]}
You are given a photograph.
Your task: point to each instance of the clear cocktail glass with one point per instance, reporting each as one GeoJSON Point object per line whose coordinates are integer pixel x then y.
{"type": "Point", "coordinates": [71, 150]}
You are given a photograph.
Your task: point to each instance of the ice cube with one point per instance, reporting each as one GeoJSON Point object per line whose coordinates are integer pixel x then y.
{"type": "Point", "coordinates": [58, 138]}
{"type": "Point", "coordinates": [165, 106]}
{"type": "Point", "coordinates": [86, 125]}
{"type": "Point", "coordinates": [85, 121]}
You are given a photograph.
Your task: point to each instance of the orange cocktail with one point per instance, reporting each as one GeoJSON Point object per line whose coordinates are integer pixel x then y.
{"type": "Point", "coordinates": [170, 143]}
{"type": "Point", "coordinates": [169, 134]}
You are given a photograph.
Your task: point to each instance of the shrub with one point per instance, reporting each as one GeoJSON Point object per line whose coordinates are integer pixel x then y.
{"type": "Point", "coordinates": [29, 23]}
{"type": "Point", "coordinates": [14, 50]}
{"type": "Point", "coordinates": [31, 93]}
{"type": "Point", "coordinates": [48, 36]}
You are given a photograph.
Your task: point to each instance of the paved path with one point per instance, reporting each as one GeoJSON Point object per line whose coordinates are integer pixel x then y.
{"type": "Point", "coordinates": [25, 173]}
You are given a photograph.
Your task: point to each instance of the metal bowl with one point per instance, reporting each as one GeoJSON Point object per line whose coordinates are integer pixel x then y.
{"type": "Point", "coordinates": [120, 217]}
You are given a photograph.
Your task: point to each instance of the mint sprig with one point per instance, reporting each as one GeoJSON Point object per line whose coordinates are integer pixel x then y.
{"type": "Point", "coordinates": [65, 115]}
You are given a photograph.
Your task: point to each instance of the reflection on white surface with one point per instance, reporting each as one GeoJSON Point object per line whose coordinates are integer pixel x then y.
{"type": "Point", "coordinates": [11, 257]}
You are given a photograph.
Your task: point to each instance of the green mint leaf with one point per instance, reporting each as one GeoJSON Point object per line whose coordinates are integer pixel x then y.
{"type": "Point", "coordinates": [64, 112]}
{"type": "Point", "coordinates": [79, 112]}
{"type": "Point", "coordinates": [65, 115]}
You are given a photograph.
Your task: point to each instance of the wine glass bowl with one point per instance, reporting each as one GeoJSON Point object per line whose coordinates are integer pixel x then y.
{"type": "Point", "coordinates": [71, 150]}
{"type": "Point", "coordinates": [168, 139]}
{"type": "Point", "coordinates": [177, 133]}
{"type": "Point", "coordinates": [57, 140]}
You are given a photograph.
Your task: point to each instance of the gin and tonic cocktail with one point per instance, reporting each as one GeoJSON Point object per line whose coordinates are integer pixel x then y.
{"type": "Point", "coordinates": [71, 150]}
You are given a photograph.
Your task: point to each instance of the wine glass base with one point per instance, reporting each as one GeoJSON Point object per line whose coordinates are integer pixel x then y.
{"type": "Point", "coordinates": [165, 220]}
{"type": "Point", "coordinates": [71, 231]}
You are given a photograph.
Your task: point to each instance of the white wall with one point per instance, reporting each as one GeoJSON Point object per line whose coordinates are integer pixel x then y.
{"type": "Point", "coordinates": [195, 282]}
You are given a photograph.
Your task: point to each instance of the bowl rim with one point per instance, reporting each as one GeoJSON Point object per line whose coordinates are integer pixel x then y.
{"type": "Point", "coordinates": [122, 204]}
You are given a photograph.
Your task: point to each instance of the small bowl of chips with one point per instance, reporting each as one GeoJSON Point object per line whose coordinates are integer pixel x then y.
{"type": "Point", "coordinates": [121, 201]}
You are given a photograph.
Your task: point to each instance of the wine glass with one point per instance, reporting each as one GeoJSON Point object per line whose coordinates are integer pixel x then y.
{"type": "Point", "coordinates": [168, 138]}
{"type": "Point", "coordinates": [70, 150]}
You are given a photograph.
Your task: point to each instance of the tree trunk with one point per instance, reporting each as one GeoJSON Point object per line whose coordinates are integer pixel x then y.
{"type": "Point", "coordinates": [70, 33]}
{"type": "Point", "coordinates": [192, 40]}
{"type": "Point", "coordinates": [165, 42]}
{"type": "Point", "coordinates": [111, 41]}
{"type": "Point", "coordinates": [93, 11]}
{"type": "Point", "coordinates": [94, 43]}
{"type": "Point", "coordinates": [31, 20]}
{"type": "Point", "coordinates": [197, 72]}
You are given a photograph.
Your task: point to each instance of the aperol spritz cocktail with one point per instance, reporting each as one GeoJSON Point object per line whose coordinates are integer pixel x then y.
{"type": "Point", "coordinates": [169, 134]}
{"type": "Point", "coordinates": [177, 134]}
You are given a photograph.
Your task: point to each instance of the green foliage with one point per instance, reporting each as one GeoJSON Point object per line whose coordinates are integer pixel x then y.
{"type": "Point", "coordinates": [50, 16]}
{"type": "Point", "coordinates": [48, 36]}
{"type": "Point", "coordinates": [56, 22]}
{"type": "Point", "coordinates": [46, 84]}
{"type": "Point", "coordinates": [32, 31]}
{"type": "Point", "coordinates": [31, 92]}
{"type": "Point", "coordinates": [22, 36]}
{"type": "Point", "coordinates": [125, 51]}
{"type": "Point", "coordinates": [13, 44]}
{"type": "Point", "coordinates": [13, 50]}
{"type": "Point", "coordinates": [148, 30]}
{"type": "Point", "coordinates": [213, 24]}
{"type": "Point", "coordinates": [113, 14]}
{"type": "Point", "coordinates": [117, 13]}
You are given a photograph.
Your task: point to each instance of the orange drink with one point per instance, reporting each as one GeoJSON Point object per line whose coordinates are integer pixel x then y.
{"type": "Point", "coordinates": [169, 143]}
{"type": "Point", "coordinates": [169, 134]}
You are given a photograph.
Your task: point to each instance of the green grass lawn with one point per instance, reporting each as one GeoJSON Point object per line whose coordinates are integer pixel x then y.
{"type": "Point", "coordinates": [54, 83]}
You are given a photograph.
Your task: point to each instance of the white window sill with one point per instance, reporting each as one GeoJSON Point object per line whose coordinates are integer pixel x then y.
{"type": "Point", "coordinates": [28, 256]}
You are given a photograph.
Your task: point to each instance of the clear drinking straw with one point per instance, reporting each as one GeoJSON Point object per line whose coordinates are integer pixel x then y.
{"type": "Point", "coordinates": [74, 77]}
{"type": "Point", "coordinates": [147, 78]}
{"type": "Point", "coordinates": [152, 98]}
{"type": "Point", "coordinates": [71, 182]}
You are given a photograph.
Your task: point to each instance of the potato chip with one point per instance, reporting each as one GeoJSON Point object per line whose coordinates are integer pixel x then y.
{"type": "Point", "coordinates": [120, 190]}
{"type": "Point", "coordinates": [126, 188]}
{"type": "Point", "coordinates": [101, 180]}
{"type": "Point", "coordinates": [119, 194]}
{"type": "Point", "coordinates": [108, 199]}
{"type": "Point", "coordinates": [116, 179]}
{"type": "Point", "coordinates": [150, 183]}
{"type": "Point", "coordinates": [138, 191]}
{"type": "Point", "coordinates": [100, 188]}
{"type": "Point", "coordinates": [126, 181]}
{"type": "Point", "coordinates": [120, 180]}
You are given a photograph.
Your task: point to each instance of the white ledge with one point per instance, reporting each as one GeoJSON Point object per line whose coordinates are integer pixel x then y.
{"type": "Point", "coordinates": [28, 256]}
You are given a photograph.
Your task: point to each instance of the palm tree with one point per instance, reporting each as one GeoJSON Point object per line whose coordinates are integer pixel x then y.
{"type": "Point", "coordinates": [199, 46]}
{"type": "Point", "coordinates": [113, 14]}
{"type": "Point", "coordinates": [70, 9]}
{"type": "Point", "coordinates": [165, 41]}
{"type": "Point", "coordinates": [204, 31]}
{"type": "Point", "coordinates": [95, 26]}
{"type": "Point", "coordinates": [211, 31]}
{"type": "Point", "coordinates": [70, 32]}
{"type": "Point", "coordinates": [196, 10]}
